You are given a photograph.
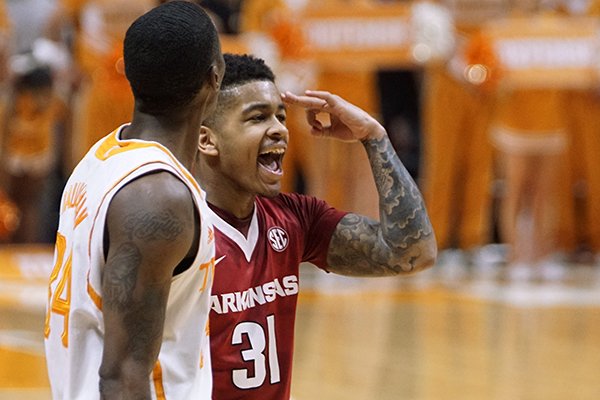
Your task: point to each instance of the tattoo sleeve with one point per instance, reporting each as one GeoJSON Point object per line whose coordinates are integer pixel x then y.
{"type": "Point", "coordinates": [120, 280]}
{"type": "Point", "coordinates": [135, 291]}
{"type": "Point", "coordinates": [402, 241]}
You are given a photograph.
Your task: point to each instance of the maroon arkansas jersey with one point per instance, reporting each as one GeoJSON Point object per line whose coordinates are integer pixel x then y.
{"type": "Point", "coordinates": [255, 290]}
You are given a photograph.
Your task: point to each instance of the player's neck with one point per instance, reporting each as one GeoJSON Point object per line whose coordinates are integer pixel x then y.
{"type": "Point", "coordinates": [175, 133]}
{"type": "Point", "coordinates": [223, 193]}
{"type": "Point", "coordinates": [241, 224]}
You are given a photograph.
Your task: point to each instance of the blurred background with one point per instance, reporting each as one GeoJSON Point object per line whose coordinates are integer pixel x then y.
{"type": "Point", "coordinates": [492, 105]}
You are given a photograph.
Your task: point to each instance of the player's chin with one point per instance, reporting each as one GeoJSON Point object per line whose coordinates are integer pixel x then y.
{"type": "Point", "coordinates": [270, 190]}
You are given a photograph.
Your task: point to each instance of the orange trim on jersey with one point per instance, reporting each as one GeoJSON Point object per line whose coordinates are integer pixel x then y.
{"type": "Point", "coordinates": [112, 145]}
{"type": "Point", "coordinates": [157, 378]}
{"type": "Point", "coordinates": [96, 298]}
{"type": "Point", "coordinates": [211, 235]}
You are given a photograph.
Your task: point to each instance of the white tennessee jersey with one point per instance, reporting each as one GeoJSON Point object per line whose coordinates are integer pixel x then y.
{"type": "Point", "coordinates": [74, 328]}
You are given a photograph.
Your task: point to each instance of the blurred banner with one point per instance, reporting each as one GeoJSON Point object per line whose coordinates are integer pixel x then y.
{"type": "Point", "coordinates": [363, 36]}
{"type": "Point", "coordinates": [546, 51]}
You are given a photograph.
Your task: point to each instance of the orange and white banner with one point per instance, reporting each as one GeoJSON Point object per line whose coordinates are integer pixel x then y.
{"type": "Point", "coordinates": [346, 35]}
{"type": "Point", "coordinates": [546, 51]}
{"type": "Point", "coordinates": [361, 36]}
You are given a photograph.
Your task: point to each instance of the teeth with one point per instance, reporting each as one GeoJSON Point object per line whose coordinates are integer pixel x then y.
{"type": "Point", "coordinates": [273, 151]}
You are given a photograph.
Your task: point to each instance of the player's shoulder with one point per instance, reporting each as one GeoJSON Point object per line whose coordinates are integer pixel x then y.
{"type": "Point", "coordinates": [157, 191]}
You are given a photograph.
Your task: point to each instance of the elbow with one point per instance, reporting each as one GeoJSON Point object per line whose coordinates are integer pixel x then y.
{"type": "Point", "coordinates": [419, 257]}
{"type": "Point", "coordinates": [130, 380]}
{"type": "Point", "coordinates": [428, 256]}
{"type": "Point", "coordinates": [108, 386]}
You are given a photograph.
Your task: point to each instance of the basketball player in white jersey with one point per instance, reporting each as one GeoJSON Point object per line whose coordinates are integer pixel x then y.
{"type": "Point", "coordinates": [129, 294]}
{"type": "Point", "coordinates": [263, 235]}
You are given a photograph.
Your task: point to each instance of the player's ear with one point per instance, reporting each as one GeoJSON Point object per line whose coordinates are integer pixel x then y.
{"type": "Point", "coordinates": [216, 72]}
{"type": "Point", "coordinates": [207, 144]}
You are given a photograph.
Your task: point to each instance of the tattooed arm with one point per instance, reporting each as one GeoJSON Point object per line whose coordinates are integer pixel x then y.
{"type": "Point", "coordinates": [403, 240]}
{"type": "Point", "coordinates": [149, 234]}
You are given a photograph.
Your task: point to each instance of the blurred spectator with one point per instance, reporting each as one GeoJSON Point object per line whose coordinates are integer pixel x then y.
{"type": "Point", "coordinates": [457, 172]}
{"type": "Point", "coordinates": [530, 133]}
{"type": "Point", "coordinates": [583, 115]}
{"type": "Point", "coordinates": [101, 98]}
{"type": "Point", "coordinates": [548, 142]}
{"type": "Point", "coordinates": [30, 149]}
{"type": "Point", "coordinates": [9, 212]}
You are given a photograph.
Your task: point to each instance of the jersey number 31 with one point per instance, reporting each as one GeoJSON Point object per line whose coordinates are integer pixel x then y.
{"type": "Point", "coordinates": [259, 340]}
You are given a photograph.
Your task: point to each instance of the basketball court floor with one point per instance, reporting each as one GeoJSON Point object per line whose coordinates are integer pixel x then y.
{"type": "Point", "coordinates": [465, 335]}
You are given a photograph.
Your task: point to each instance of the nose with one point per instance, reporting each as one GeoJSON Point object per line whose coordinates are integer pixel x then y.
{"type": "Point", "coordinates": [278, 130]}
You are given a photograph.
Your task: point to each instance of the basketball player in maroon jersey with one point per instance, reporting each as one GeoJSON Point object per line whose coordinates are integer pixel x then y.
{"type": "Point", "coordinates": [263, 235]}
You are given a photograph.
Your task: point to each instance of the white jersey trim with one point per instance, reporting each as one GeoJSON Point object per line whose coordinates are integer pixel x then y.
{"type": "Point", "coordinates": [246, 245]}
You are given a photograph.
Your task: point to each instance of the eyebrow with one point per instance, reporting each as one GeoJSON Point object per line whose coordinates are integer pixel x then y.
{"type": "Point", "coordinates": [262, 106]}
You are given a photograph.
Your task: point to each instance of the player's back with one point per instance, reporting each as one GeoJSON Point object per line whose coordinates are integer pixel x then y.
{"type": "Point", "coordinates": [74, 326]}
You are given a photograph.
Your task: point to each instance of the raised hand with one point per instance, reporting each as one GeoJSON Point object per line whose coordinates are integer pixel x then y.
{"type": "Point", "coordinates": [347, 121]}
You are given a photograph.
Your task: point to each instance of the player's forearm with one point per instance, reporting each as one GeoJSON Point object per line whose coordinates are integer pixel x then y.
{"type": "Point", "coordinates": [134, 315]}
{"type": "Point", "coordinates": [404, 223]}
{"type": "Point", "coordinates": [129, 358]}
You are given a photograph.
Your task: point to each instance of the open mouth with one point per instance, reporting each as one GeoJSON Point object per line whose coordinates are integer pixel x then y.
{"type": "Point", "coordinates": [272, 160]}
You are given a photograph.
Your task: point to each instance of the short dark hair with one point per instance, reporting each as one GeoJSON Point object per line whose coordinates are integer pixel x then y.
{"type": "Point", "coordinates": [244, 68]}
{"type": "Point", "coordinates": [168, 52]}
{"type": "Point", "coordinates": [239, 70]}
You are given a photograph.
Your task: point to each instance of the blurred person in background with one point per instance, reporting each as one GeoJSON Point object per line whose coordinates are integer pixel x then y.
{"type": "Point", "coordinates": [457, 161]}
{"type": "Point", "coordinates": [547, 139]}
{"type": "Point", "coordinates": [9, 214]}
{"type": "Point", "coordinates": [34, 121]}
{"type": "Point", "coordinates": [509, 165]}
{"type": "Point", "coordinates": [99, 96]}
{"type": "Point", "coordinates": [583, 114]}
{"type": "Point", "coordinates": [9, 211]}
{"type": "Point", "coordinates": [531, 137]}
{"type": "Point", "coordinates": [31, 144]}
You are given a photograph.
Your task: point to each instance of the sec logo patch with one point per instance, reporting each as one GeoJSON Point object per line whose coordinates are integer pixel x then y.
{"type": "Point", "coordinates": [278, 238]}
